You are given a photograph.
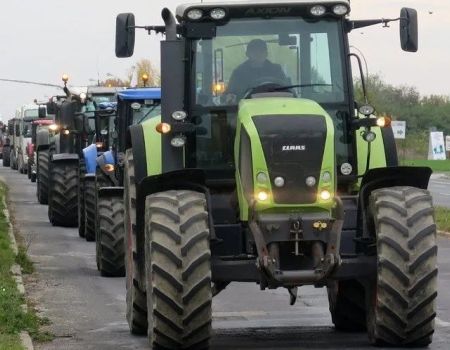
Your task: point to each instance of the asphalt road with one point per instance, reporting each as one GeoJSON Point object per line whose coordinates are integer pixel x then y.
{"type": "Point", "coordinates": [440, 188]}
{"type": "Point", "coordinates": [88, 312]}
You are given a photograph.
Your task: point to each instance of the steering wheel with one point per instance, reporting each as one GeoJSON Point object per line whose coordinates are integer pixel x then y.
{"type": "Point", "coordinates": [266, 84]}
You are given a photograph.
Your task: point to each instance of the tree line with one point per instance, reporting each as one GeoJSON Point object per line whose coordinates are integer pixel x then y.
{"type": "Point", "coordinates": [406, 103]}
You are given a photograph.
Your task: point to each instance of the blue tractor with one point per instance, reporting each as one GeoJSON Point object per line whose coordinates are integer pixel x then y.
{"type": "Point", "coordinates": [134, 106]}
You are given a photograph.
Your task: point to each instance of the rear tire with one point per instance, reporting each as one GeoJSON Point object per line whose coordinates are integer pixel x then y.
{"type": "Point", "coordinates": [81, 209]}
{"type": "Point", "coordinates": [6, 155]}
{"type": "Point", "coordinates": [347, 306]}
{"type": "Point", "coordinates": [63, 200]}
{"type": "Point", "coordinates": [90, 208]}
{"type": "Point", "coordinates": [42, 176]}
{"type": "Point", "coordinates": [402, 302]}
{"type": "Point", "coordinates": [136, 296]}
{"type": "Point", "coordinates": [178, 270]}
{"type": "Point", "coordinates": [110, 237]}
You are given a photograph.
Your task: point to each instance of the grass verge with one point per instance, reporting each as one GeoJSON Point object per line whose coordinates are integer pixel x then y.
{"type": "Point", "coordinates": [13, 319]}
{"type": "Point", "coordinates": [442, 219]}
{"type": "Point", "coordinates": [440, 166]}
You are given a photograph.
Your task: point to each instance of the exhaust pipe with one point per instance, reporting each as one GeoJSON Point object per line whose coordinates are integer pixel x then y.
{"type": "Point", "coordinates": [171, 24]}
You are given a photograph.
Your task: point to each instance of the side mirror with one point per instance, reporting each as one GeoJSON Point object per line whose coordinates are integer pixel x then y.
{"type": "Point", "coordinates": [42, 112]}
{"type": "Point", "coordinates": [51, 108]}
{"type": "Point", "coordinates": [17, 130]}
{"type": "Point", "coordinates": [409, 32]}
{"type": "Point", "coordinates": [125, 35]}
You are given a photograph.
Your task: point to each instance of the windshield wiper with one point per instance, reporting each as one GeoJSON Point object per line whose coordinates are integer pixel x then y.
{"type": "Point", "coordinates": [146, 115]}
{"type": "Point", "coordinates": [287, 87]}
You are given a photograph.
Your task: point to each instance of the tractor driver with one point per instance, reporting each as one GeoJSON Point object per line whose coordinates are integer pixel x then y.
{"type": "Point", "coordinates": [253, 72]}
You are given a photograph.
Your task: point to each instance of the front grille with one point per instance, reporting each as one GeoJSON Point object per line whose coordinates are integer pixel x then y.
{"type": "Point", "coordinates": [293, 147]}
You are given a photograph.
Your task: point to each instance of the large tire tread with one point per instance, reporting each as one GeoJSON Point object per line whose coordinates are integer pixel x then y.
{"type": "Point", "coordinates": [42, 176]}
{"type": "Point", "coordinates": [179, 295]}
{"type": "Point", "coordinates": [90, 208]}
{"type": "Point", "coordinates": [64, 194]}
{"type": "Point", "coordinates": [136, 295]}
{"type": "Point", "coordinates": [110, 237]}
{"type": "Point", "coordinates": [403, 308]}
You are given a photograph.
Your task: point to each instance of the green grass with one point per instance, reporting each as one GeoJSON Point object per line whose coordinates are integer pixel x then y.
{"type": "Point", "coordinates": [13, 319]}
{"type": "Point", "coordinates": [443, 219]}
{"type": "Point", "coordinates": [436, 165]}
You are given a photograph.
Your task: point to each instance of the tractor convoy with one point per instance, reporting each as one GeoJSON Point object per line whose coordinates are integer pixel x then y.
{"type": "Point", "coordinates": [252, 163]}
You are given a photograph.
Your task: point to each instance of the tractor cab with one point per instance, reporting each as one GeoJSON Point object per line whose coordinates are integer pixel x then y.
{"type": "Point", "coordinates": [135, 106]}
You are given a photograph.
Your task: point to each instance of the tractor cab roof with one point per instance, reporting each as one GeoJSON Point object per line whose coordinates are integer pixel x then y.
{"type": "Point", "coordinates": [259, 8]}
{"type": "Point", "coordinates": [140, 94]}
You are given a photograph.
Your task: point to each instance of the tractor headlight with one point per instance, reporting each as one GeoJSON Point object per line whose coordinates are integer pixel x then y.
{"type": "Point", "coordinates": [53, 127]}
{"type": "Point", "coordinates": [99, 144]}
{"type": "Point", "coordinates": [163, 128]}
{"type": "Point", "coordinates": [326, 176]}
{"type": "Point", "coordinates": [218, 14]}
{"type": "Point", "coordinates": [311, 181]}
{"type": "Point", "coordinates": [318, 10]}
{"type": "Point", "coordinates": [178, 141]}
{"type": "Point", "coordinates": [262, 196]}
{"type": "Point", "coordinates": [179, 115]}
{"type": "Point", "coordinates": [83, 97]}
{"type": "Point", "coordinates": [195, 14]}
{"type": "Point", "coordinates": [279, 181]}
{"type": "Point", "coordinates": [369, 136]}
{"type": "Point", "coordinates": [109, 168]}
{"type": "Point", "coordinates": [66, 132]}
{"type": "Point", "coordinates": [262, 177]}
{"type": "Point", "coordinates": [325, 195]}
{"type": "Point", "coordinates": [340, 10]}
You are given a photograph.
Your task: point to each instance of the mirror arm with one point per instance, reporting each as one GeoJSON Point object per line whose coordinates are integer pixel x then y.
{"type": "Point", "coordinates": [370, 22]}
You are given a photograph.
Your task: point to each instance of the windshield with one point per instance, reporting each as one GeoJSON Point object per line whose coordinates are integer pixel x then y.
{"type": "Point", "coordinates": [96, 100]}
{"type": "Point", "coordinates": [302, 58]}
{"type": "Point", "coordinates": [248, 53]}
{"type": "Point", "coordinates": [146, 111]}
{"type": "Point", "coordinates": [33, 113]}
{"type": "Point", "coordinates": [27, 129]}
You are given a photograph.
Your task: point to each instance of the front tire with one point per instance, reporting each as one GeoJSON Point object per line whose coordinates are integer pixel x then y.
{"type": "Point", "coordinates": [178, 270]}
{"type": "Point", "coordinates": [110, 237]}
{"type": "Point", "coordinates": [136, 296]}
{"type": "Point", "coordinates": [402, 302]}
{"type": "Point", "coordinates": [42, 176]}
{"type": "Point", "coordinates": [90, 208]}
{"type": "Point", "coordinates": [63, 201]}
{"type": "Point", "coordinates": [81, 209]}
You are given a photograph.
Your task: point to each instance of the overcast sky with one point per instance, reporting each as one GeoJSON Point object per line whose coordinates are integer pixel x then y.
{"type": "Point", "coordinates": [42, 39]}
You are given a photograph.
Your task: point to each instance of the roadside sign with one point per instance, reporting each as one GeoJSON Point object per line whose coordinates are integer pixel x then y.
{"type": "Point", "coordinates": [399, 129]}
{"type": "Point", "coordinates": [447, 143]}
{"type": "Point", "coordinates": [436, 150]}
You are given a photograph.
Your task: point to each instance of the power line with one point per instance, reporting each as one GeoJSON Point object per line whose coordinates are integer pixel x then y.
{"type": "Point", "coordinates": [31, 83]}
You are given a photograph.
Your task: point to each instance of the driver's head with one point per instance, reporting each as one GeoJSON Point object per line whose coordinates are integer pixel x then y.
{"type": "Point", "coordinates": [257, 51]}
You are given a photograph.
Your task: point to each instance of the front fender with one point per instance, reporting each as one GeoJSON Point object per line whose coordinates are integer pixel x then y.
{"type": "Point", "coordinates": [90, 158]}
{"type": "Point", "coordinates": [378, 178]}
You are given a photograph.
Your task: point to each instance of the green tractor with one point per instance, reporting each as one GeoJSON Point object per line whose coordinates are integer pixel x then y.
{"type": "Point", "coordinates": [262, 170]}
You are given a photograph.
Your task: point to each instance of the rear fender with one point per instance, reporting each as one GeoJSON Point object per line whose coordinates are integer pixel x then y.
{"type": "Point", "coordinates": [65, 157]}
{"type": "Point", "coordinates": [90, 156]}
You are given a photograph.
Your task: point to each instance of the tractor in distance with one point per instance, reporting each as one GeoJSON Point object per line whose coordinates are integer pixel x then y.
{"type": "Point", "coordinates": [262, 170]}
{"type": "Point", "coordinates": [6, 146]}
{"type": "Point", "coordinates": [44, 135]}
{"type": "Point", "coordinates": [134, 106]}
{"type": "Point", "coordinates": [26, 115]}
{"type": "Point", "coordinates": [14, 141]}
{"type": "Point", "coordinates": [98, 112]}
{"type": "Point", "coordinates": [39, 140]}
